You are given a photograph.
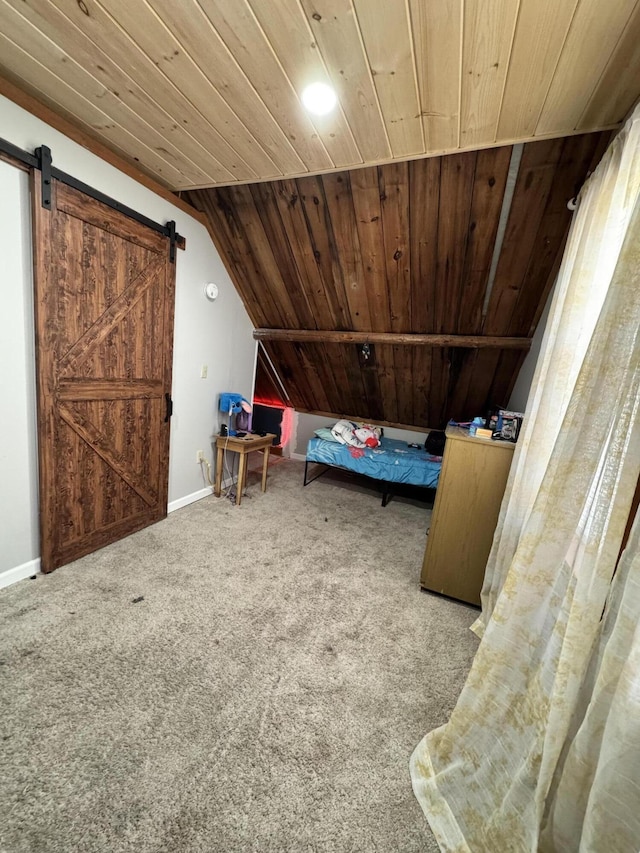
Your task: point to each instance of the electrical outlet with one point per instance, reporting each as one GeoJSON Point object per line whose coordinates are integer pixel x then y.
{"type": "Point", "coordinates": [200, 457]}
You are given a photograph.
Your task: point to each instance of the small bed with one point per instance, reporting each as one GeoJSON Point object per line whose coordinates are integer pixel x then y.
{"type": "Point", "coordinates": [393, 462]}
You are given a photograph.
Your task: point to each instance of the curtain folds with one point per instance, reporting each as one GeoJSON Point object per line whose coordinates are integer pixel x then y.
{"type": "Point", "coordinates": [542, 752]}
{"type": "Point", "coordinates": [593, 246]}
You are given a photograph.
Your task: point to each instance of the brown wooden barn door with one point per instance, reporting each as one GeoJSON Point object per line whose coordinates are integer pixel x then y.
{"type": "Point", "coordinates": [104, 298]}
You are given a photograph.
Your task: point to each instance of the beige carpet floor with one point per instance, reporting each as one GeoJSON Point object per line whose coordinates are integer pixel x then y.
{"type": "Point", "coordinates": [247, 678]}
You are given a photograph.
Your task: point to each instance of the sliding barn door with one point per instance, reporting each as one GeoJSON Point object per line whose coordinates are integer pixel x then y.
{"type": "Point", "coordinates": [104, 296]}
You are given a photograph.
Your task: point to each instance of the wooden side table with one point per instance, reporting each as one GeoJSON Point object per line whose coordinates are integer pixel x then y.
{"type": "Point", "coordinates": [242, 445]}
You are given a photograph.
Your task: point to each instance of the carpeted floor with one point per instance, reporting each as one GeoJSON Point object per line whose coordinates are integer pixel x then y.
{"type": "Point", "coordinates": [264, 695]}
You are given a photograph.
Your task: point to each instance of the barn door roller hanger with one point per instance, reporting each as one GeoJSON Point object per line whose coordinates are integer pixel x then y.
{"type": "Point", "coordinates": [42, 160]}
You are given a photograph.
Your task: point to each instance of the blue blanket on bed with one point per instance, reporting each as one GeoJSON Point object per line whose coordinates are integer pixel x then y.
{"type": "Point", "coordinates": [393, 461]}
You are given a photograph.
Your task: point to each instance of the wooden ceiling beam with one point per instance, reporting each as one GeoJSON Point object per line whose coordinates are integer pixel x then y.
{"type": "Point", "coordinates": [397, 338]}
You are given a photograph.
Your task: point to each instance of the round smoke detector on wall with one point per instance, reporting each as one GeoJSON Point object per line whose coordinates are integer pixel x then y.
{"type": "Point", "coordinates": [211, 291]}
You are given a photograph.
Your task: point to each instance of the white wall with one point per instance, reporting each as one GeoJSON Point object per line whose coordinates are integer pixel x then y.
{"type": "Point", "coordinates": [18, 473]}
{"type": "Point", "coordinates": [217, 334]}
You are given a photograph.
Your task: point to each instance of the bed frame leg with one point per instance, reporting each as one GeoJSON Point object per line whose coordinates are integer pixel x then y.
{"type": "Point", "coordinates": [307, 479]}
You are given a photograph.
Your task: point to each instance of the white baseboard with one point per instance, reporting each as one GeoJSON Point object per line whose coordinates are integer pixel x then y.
{"type": "Point", "coordinates": [189, 499]}
{"type": "Point", "coordinates": [19, 573]}
{"type": "Point", "coordinates": [197, 496]}
{"type": "Point", "coordinates": [298, 457]}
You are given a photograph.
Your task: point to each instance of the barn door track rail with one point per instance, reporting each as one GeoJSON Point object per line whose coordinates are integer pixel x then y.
{"type": "Point", "coordinates": [41, 159]}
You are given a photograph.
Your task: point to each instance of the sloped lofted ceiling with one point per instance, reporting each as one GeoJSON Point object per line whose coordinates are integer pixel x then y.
{"type": "Point", "coordinates": [207, 92]}
{"type": "Point", "coordinates": [407, 248]}
{"type": "Point", "coordinates": [389, 211]}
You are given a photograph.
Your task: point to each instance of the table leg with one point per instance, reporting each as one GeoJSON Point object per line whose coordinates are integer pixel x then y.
{"type": "Point", "coordinates": [241, 476]}
{"type": "Point", "coordinates": [217, 488]}
{"type": "Point", "coordinates": [265, 464]}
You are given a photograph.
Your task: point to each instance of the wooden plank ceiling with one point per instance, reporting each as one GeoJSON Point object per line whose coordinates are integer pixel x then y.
{"type": "Point", "coordinates": [405, 248]}
{"type": "Point", "coordinates": [207, 92]}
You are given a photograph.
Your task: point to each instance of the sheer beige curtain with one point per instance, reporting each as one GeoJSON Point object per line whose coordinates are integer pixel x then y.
{"type": "Point", "coordinates": [594, 243]}
{"type": "Point", "coordinates": [596, 803]}
{"type": "Point", "coordinates": [542, 752]}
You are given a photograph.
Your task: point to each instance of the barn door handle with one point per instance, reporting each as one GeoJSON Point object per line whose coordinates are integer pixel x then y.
{"type": "Point", "coordinates": [169, 407]}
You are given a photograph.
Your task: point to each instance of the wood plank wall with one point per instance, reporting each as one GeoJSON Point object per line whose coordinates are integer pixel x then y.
{"type": "Point", "coordinates": [404, 247]}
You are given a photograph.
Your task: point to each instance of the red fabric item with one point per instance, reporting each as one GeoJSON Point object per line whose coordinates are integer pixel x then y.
{"type": "Point", "coordinates": [356, 452]}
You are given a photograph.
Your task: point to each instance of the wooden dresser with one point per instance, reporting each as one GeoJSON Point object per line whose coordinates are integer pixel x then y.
{"type": "Point", "coordinates": [470, 489]}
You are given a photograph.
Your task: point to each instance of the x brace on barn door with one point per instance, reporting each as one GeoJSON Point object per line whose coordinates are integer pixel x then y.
{"type": "Point", "coordinates": [41, 160]}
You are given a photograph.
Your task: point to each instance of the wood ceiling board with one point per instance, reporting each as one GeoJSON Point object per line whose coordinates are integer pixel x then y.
{"type": "Point", "coordinates": [422, 385]}
{"type": "Point", "coordinates": [228, 235]}
{"type": "Point", "coordinates": [338, 37]}
{"type": "Point", "coordinates": [375, 409]}
{"type": "Point", "coordinates": [387, 382]}
{"type": "Point", "coordinates": [287, 29]}
{"type": "Point", "coordinates": [439, 387]}
{"type": "Point", "coordinates": [504, 379]}
{"type": "Point", "coordinates": [328, 377]}
{"type": "Point", "coordinates": [262, 256]}
{"type": "Point", "coordinates": [66, 101]}
{"type": "Point", "coordinates": [490, 178]}
{"type": "Point", "coordinates": [358, 387]}
{"type": "Point", "coordinates": [437, 44]}
{"type": "Point", "coordinates": [304, 354]}
{"type": "Point", "coordinates": [541, 31]}
{"type": "Point", "coordinates": [264, 198]}
{"type": "Point", "coordinates": [617, 91]}
{"type": "Point", "coordinates": [481, 396]}
{"type": "Point", "coordinates": [321, 238]}
{"type": "Point", "coordinates": [462, 374]}
{"type": "Point", "coordinates": [488, 34]}
{"type": "Point", "coordinates": [454, 211]}
{"type": "Point", "coordinates": [424, 187]}
{"type": "Point", "coordinates": [580, 155]}
{"type": "Point", "coordinates": [537, 171]}
{"type": "Point", "coordinates": [84, 36]}
{"type": "Point", "coordinates": [344, 391]}
{"type": "Point", "coordinates": [403, 375]}
{"type": "Point", "coordinates": [240, 32]}
{"type": "Point", "coordinates": [233, 98]}
{"type": "Point", "coordinates": [89, 99]}
{"type": "Point", "coordinates": [348, 386]}
{"type": "Point", "coordinates": [369, 371]}
{"type": "Point", "coordinates": [294, 225]}
{"type": "Point", "coordinates": [365, 192]}
{"type": "Point", "coordinates": [231, 141]}
{"type": "Point", "coordinates": [386, 34]}
{"type": "Point", "coordinates": [394, 196]}
{"type": "Point", "coordinates": [346, 247]}
{"type": "Point", "coordinates": [594, 33]}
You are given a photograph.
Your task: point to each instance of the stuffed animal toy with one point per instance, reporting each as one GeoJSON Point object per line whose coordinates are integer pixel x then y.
{"type": "Point", "coordinates": [356, 435]}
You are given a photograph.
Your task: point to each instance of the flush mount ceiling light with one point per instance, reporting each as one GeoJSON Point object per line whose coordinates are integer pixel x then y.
{"type": "Point", "coordinates": [319, 99]}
